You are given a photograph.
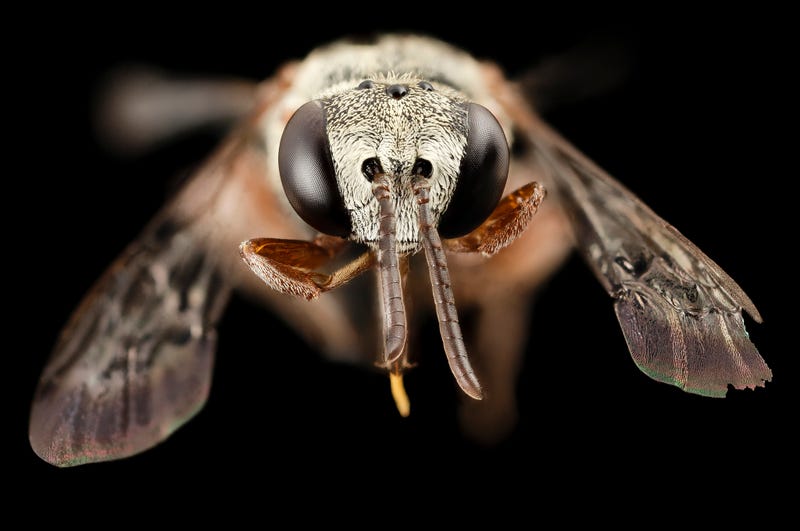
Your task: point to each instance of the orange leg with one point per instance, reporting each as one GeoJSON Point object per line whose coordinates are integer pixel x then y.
{"type": "Point", "coordinates": [508, 220]}
{"type": "Point", "coordinates": [289, 266]}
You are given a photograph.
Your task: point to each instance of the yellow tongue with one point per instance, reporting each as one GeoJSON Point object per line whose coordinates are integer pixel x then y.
{"type": "Point", "coordinates": [399, 394]}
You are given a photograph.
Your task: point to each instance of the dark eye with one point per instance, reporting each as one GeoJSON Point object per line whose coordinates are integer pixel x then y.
{"type": "Point", "coordinates": [366, 84]}
{"type": "Point", "coordinates": [307, 174]}
{"type": "Point", "coordinates": [424, 85]}
{"type": "Point", "coordinates": [482, 177]}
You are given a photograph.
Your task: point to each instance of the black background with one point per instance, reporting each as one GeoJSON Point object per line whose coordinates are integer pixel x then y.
{"type": "Point", "coordinates": [692, 131]}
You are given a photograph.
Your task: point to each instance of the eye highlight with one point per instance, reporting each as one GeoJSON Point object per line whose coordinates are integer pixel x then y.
{"type": "Point", "coordinates": [366, 84]}
{"type": "Point", "coordinates": [371, 167]}
{"type": "Point", "coordinates": [424, 85]}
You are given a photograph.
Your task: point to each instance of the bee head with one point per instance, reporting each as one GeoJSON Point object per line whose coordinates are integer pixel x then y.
{"type": "Point", "coordinates": [333, 147]}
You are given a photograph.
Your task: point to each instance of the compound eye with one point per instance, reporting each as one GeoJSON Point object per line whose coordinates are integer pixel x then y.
{"type": "Point", "coordinates": [482, 177]}
{"type": "Point", "coordinates": [307, 174]}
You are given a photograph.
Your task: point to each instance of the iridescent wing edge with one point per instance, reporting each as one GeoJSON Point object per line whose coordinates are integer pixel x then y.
{"type": "Point", "coordinates": [134, 362]}
{"type": "Point", "coordinates": [681, 314]}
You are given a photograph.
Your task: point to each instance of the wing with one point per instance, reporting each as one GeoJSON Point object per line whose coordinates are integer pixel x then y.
{"type": "Point", "coordinates": [134, 362]}
{"type": "Point", "coordinates": [680, 312]}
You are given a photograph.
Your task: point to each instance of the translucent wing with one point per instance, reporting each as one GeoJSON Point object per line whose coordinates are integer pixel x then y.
{"type": "Point", "coordinates": [680, 312]}
{"type": "Point", "coordinates": [134, 362]}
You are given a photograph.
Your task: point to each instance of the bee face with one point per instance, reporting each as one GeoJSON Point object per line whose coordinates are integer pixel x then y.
{"type": "Point", "coordinates": [405, 159]}
{"type": "Point", "coordinates": [401, 127]}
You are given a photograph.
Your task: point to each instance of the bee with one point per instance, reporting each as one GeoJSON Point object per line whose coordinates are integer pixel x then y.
{"type": "Point", "coordinates": [410, 159]}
